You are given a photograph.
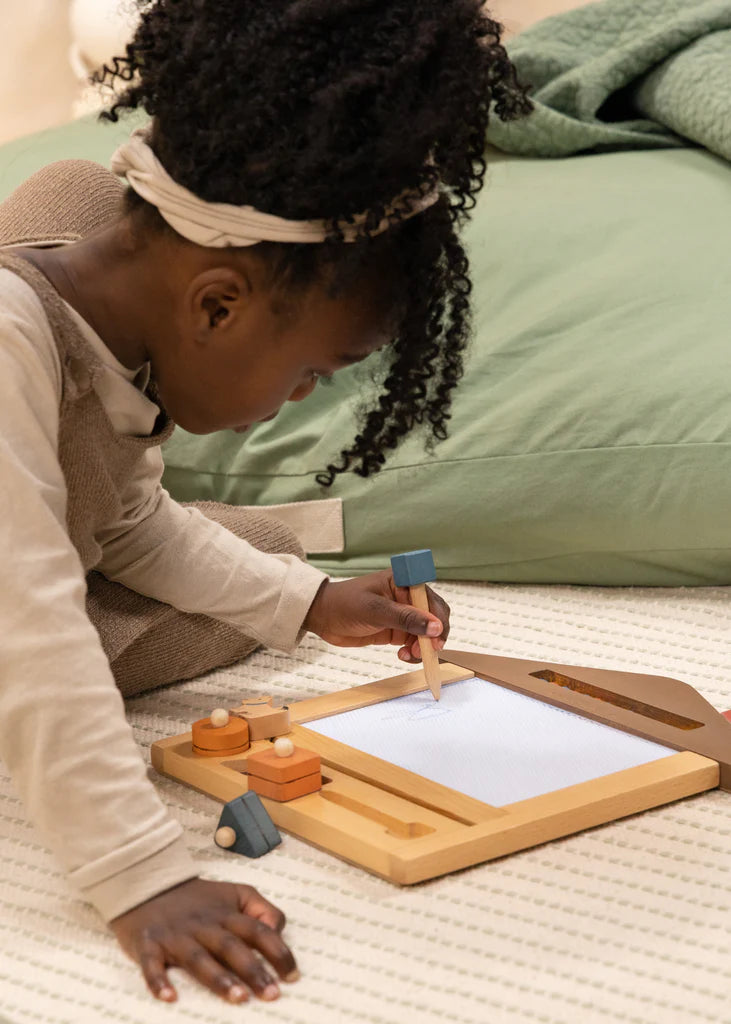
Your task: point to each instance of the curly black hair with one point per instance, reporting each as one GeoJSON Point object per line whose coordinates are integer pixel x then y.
{"type": "Point", "coordinates": [327, 109]}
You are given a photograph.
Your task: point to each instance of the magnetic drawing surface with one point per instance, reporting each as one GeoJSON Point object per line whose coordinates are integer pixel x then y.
{"type": "Point", "coordinates": [489, 742]}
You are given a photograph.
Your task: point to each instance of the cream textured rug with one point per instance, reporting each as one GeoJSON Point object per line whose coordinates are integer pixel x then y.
{"type": "Point", "coordinates": [630, 922]}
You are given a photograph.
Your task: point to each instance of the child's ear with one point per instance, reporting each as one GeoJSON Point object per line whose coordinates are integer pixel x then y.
{"type": "Point", "coordinates": [217, 299]}
{"type": "Point", "coordinates": [216, 309]}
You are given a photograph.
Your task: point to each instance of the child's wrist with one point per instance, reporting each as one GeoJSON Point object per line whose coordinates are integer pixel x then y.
{"type": "Point", "coordinates": [314, 619]}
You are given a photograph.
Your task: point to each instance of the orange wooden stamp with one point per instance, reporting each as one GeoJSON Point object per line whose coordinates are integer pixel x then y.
{"type": "Point", "coordinates": [219, 734]}
{"type": "Point", "coordinates": [283, 771]}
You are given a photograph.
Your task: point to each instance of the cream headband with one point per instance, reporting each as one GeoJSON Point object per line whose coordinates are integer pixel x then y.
{"type": "Point", "coordinates": [219, 224]}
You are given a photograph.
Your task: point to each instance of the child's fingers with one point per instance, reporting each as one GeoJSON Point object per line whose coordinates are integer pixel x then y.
{"type": "Point", "coordinates": [266, 941]}
{"type": "Point", "coordinates": [229, 946]}
{"type": "Point", "coordinates": [398, 638]}
{"type": "Point", "coordinates": [416, 649]}
{"type": "Point", "coordinates": [437, 606]}
{"type": "Point", "coordinates": [153, 966]}
{"type": "Point", "coordinates": [440, 608]}
{"type": "Point", "coordinates": [253, 903]}
{"type": "Point", "coordinates": [193, 958]}
{"type": "Point", "coordinates": [411, 651]}
{"type": "Point", "coordinates": [402, 596]}
{"type": "Point", "coordinates": [203, 928]}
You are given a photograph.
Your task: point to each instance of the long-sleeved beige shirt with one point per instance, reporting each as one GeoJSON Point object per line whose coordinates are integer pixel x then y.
{"type": "Point", "coordinates": [63, 732]}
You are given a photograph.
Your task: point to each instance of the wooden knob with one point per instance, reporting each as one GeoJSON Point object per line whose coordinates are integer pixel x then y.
{"type": "Point", "coordinates": [219, 718]}
{"type": "Point", "coordinates": [225, 837]}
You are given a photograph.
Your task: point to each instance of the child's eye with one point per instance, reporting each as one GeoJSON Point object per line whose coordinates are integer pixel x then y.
{"type": "Point", "coordinates": [324, 377]}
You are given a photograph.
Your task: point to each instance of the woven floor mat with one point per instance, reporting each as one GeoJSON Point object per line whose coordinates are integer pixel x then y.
{"type": "Point", "coordinates": [630, 922]}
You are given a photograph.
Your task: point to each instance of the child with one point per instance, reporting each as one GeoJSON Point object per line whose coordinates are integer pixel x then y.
{"type": "Point", "coordinates": [292, 209]}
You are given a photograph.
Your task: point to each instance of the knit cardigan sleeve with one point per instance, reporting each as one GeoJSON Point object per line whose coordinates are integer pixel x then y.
{"type": "Point", "coordinates": [177, 555]}
{"type": "Point", "coordinates": [64, 736]}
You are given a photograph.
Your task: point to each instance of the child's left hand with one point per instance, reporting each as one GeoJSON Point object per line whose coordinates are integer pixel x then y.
{"type": "Point", "coordinates": [373, 610]}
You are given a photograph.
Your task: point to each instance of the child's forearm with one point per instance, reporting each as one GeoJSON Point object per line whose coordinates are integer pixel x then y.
{"type": "Point", "coordinates": [179, 556]}
{"type": "Point", "coordinates": [72, 756]}
{"type": "Point", "coordinates": [74, 761]}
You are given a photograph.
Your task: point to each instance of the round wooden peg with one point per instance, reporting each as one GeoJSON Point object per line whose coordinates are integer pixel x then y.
{"type": "Point", "coordinates": [225, 837]}
{"type": "Point", "coordinates": [283, 747]}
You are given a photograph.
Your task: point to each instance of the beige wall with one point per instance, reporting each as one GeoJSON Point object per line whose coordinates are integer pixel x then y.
{"type": "Point", "coordinates": [37, 86]}
{"type": "Point", "coordinates": [519, 14]}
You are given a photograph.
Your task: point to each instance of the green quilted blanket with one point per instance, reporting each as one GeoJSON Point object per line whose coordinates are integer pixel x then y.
{"type": "Point", "coordinates": [624, 74]}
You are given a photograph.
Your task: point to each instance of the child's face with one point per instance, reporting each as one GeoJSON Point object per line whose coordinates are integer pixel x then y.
{"type": "Point", "coordinates": [237, 355]}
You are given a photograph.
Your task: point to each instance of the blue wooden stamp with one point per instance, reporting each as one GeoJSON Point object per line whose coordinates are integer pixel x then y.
{"type": "Point", "coordinates": [246, 828]}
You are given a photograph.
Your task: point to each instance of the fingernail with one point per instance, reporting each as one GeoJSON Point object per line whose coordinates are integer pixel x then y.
{"type": "Point", "coordinates": [434, 629]}
{"type": "Point", "coordinates": [167, 993]}
{"type": "Point", "coordinates": [237, 994]}
{"type": "Point", "coordinates": [293, 976]}
{"type": "Point", "coordinates": [403, 655]}
{"type": "Point", "coordinates": [270, 992]}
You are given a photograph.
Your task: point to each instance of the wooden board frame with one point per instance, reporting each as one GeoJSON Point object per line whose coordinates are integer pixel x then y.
{"type": "Point", "coordinates": [407, 829]}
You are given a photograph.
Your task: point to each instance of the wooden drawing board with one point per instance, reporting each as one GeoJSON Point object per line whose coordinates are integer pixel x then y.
{"type": "Point", "coordinates": [407, 828]}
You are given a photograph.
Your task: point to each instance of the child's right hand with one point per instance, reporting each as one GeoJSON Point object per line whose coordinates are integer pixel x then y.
{"type": "Point", "coordinates": [216, 931]}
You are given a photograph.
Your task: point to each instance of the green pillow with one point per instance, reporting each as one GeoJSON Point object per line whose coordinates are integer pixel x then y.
{"type": "Point", "coordinates": [591, 437]}
{"type": "Point", "coordinates": [85, 139]}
